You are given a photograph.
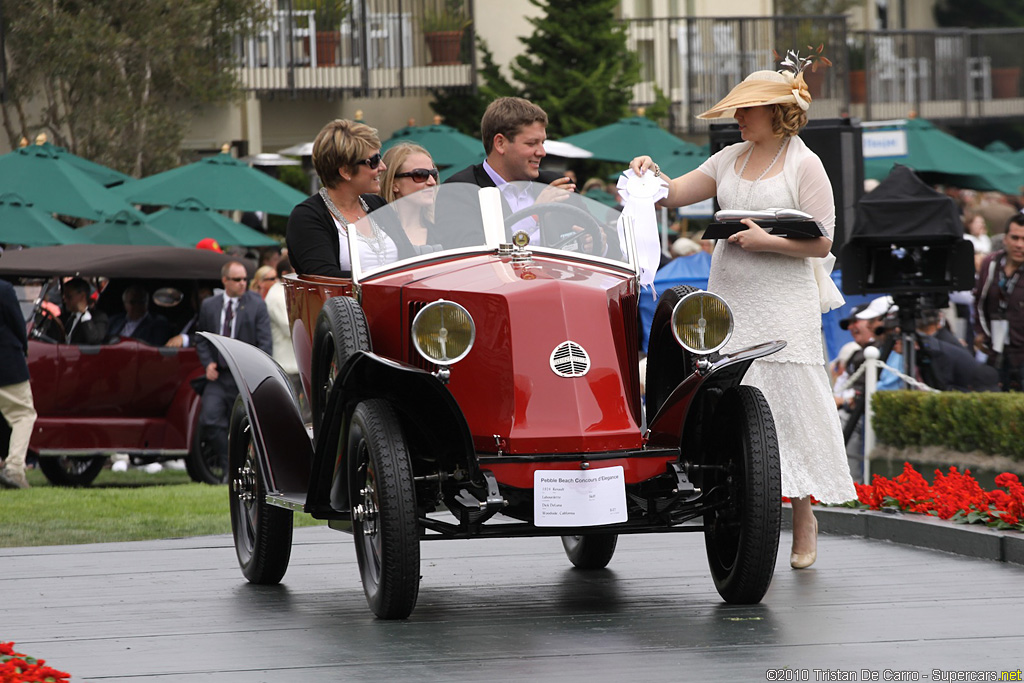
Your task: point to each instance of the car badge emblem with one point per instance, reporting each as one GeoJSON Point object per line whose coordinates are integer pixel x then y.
{"type": "Point", "coordinates": [569, 359]}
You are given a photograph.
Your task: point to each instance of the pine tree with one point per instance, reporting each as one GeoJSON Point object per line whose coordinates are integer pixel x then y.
{"type": "Point", "coordinates": [462, 108]}
{"type": "Point", "coordinates": [576, 65]}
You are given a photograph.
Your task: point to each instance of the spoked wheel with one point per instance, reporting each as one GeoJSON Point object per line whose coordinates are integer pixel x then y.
{"type": "Point", "coordinates": [341, 330]}
{"type": "Point", "coordinates": [202, 464]}
{"type": "Point", "coordinates": [65, 471]}
{"type": "Point", "coordinates": [383, 511]}
{"type": "Point", "coordinates": [593, 551]}
{"type": "Point", "coordinates": [742, 471]}
{"type": "Point", "coordinates": [262, 532]}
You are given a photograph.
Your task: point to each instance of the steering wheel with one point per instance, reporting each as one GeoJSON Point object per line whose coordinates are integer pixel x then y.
{"type": "Point", "coordinates": [46, 320]}
{"type": "Point", "coordinates": [580, 218]}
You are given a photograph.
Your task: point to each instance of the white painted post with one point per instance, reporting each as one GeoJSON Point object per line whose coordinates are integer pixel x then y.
{"type": "Point", "coordinates": [871, 355]}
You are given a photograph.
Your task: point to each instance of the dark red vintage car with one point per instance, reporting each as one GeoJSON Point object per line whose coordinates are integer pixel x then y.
{"type": "Point", "coordinates": [121, 396]}
{"type": "Point", "coordinates": [494, 390]}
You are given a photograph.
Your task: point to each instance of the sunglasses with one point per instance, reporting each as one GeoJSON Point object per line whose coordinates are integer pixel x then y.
{"type": "Point", "coordinates": [236, 279]}
{"type": "Point", "coordinates": [373, 162]}
{"type": "Point", "coordinates": [419, 175]}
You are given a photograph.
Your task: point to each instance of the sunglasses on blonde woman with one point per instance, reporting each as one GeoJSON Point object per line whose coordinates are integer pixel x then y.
{"type": "Point", "coordinates": [419, 175]}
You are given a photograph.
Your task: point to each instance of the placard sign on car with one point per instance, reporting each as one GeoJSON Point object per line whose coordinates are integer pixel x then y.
{"type": "Point", "coordinates": [579, 497]}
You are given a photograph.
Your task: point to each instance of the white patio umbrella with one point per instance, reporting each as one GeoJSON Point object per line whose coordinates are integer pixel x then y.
{"type": "Point", "coordinates": [566, 149]}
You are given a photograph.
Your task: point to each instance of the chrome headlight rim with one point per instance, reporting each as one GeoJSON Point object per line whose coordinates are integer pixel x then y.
{"type": "Point", "coordinates": [420, 317]}
{"type": "Point", "coordinates": [702, 295]}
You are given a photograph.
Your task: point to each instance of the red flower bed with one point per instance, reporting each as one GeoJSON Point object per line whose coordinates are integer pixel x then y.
{"type": "Point", "coordinates": [18, 668]}
{"type": "Point", "coordinates": [955, 496]}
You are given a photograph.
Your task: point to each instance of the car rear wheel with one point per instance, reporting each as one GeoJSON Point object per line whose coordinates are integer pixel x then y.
{"type": "Point", "coordinates": [65, 471]}
{"type": "Point", "coordinates": [383, 511]}
{"type": "Point", "coordinates": [262, 532]}
{"type": "Point", "coordinates": [742, 472]}
{"type": "Point", "coordinates": [341, 330]}
{"type": "Point", "coordinates": [593, 551]}
{"type": "Point", "coordinates": [202, 464]}
{"type": "Point", "coordinates": [668, 363]}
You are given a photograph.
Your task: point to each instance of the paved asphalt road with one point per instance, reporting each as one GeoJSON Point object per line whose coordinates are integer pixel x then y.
{"type": "Point", "coordinates": [509, 610]}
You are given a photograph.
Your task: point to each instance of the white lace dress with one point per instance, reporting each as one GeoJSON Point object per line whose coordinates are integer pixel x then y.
{"type": "Point", "coordinates": [774, 296]}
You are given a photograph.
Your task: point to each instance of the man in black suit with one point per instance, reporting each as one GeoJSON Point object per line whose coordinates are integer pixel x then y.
{"type": "Point", "coordinates": [15, 393]}
{"type": "Point", "coordinates": [240, 314]}
{"type": "Point", "coordinates": [513, 132]}
{"type": "Point", "coordinates": [136, 321]}
{"type": "Point", "coordinates": [82, 324]}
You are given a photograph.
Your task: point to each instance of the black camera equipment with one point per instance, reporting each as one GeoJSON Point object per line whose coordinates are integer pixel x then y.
{"type": "Point", "coordinates": [907, 241]}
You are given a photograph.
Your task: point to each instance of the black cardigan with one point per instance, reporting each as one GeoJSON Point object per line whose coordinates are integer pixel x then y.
{"type": "Point", "coordinates": [312, 237]}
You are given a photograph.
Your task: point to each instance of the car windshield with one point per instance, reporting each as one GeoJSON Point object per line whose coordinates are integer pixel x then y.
{"type": "Point", "coordinates": [458, 218]}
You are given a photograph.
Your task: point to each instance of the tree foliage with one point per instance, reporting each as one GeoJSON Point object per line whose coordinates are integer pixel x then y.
{"type": "Point", "coordinates": [576, 65]}
{"type": "Point", "coordinates": [116, 80]}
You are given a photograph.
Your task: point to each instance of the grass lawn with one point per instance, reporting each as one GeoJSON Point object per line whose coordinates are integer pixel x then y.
{"type": "Point", "coordinates": [119, 506]}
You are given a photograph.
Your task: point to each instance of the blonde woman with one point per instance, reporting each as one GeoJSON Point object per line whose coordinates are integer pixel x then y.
{"type": "Point", "coordinates": [263, 280]}
{"type": "Point", "coordinates": [771, 282]}
{"type": "Point", "coordinates": [412, 176]}
{"type": "Point", "coordinates": [347, 159]}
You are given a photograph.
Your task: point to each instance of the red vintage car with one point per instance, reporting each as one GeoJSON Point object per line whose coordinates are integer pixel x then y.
{"type": "Point", "coordinates": [121, 396]}
{"type": "Point", "coordinates": [493, 390]}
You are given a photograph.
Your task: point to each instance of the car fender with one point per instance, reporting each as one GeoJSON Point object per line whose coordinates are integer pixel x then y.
{"type": "Point", "coordinates": [683, 409]}
{"type": "Point", "coordinates": [430, 417]}
{"type": "Point", "coordinates": [283, 446]}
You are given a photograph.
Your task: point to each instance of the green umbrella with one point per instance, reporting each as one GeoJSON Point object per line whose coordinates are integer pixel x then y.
{"type": "Point", "coordinates": [190, 221]}
{"type": "Point", "coordinates": [447, 146]}
{"type": "Point", "coordinates": [127, 227]}
{"type": "Point", "coordinates": [941, 158]}
{"type": "Point", "coordinates": [41, 176]}
{"type": "Point", "coordinates": [22, 223]}
{"type": "Point", "coordinates": [626, 138]}
{"type": "Point", "coordinates": [220, 182]}
{"type": "Point", "coordinates": [107, 177]}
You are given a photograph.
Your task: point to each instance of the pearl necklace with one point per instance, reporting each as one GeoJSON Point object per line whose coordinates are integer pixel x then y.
{"type": "Point", "coordinates": [767, 168]}
{"type": "Point", "coordinates": [377, 242]}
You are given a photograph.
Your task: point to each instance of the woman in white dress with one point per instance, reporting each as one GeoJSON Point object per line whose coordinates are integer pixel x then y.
{"type": "Point", "coordinates": [777, 287]}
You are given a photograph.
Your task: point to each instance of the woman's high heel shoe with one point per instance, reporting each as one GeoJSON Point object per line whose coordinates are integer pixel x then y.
{"type": "Point", "coordinates": [805, 560]}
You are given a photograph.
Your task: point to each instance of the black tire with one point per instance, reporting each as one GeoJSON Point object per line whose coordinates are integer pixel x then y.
{"type": "Point", "coordinates": [668, 363]}
{"type": "Point", "coordinates": [340, 331]}
{"type": "Point", "coordinates": [742, 536]}
{"type": "Point", "coordinates": [593, 551]}
{"type": "Point", "coordinates": [66, 471]}
{"type": "Point", "coordinates": [384, 511]}
{"type": "Point", "coordinates": [202, 464]}
{"type": "Point", "coordinates": [262, 532]}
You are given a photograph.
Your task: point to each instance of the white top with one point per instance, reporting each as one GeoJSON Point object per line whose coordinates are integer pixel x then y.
{"type": "Point", "coordinates": [280, 331]}
{"type": "Point", "coordinates": [368, 258]}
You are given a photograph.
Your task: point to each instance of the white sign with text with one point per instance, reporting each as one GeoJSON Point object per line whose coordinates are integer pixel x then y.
{"type": "Point", "coordinates": [884, 143]}
{"type": "Point", "coordinates": [579, 497]}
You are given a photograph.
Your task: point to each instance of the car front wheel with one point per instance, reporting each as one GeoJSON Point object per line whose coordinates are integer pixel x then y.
{"type": "Point", "coordinates": [383, 511]}
{"type": "Point", "coordinates": [593, 551]}
{"type": "Point", "coordinates": [741, 476]}
{"type": "Point", "coordinates": [262, 532]}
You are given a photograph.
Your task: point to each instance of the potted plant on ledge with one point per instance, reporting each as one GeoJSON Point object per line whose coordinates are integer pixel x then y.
{"type": "Point", "coordinates": [327, 15]}
{"type": "Point", "coordinates": [443, 28]}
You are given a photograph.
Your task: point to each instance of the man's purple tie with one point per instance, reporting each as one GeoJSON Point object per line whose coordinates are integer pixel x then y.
{"type": "Point", "coordinates": [228, 316]}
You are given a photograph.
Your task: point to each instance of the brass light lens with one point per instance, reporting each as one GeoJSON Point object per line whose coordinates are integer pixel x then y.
{"type": "Point", "coordinates": [702, 322]}
{"type": "Point", "coordinates": [443, 332]}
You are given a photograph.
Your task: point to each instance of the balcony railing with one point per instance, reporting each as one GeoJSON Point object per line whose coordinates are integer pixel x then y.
{"type": "Point", "coordinates": [380, 48]}
{"type": "Point", "coordinates": [952, 75]}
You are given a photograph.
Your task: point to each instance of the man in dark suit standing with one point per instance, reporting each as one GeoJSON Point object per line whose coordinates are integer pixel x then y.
{"type": "Point", "coordinates": [240, 314]}
{"type": "Point", "coordinates": [136, 321]}
{"type": "Point", "coordinates": [82, 324]}
{"type": "Point", "coordinates": [15, 393]}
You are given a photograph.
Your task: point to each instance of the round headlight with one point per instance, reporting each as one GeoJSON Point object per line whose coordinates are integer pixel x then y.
{"type": "Point", "coordinates": [443, 332]}
{"type": "Point", "coordinates": [702, 322]}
